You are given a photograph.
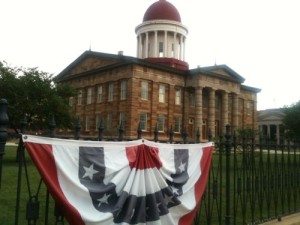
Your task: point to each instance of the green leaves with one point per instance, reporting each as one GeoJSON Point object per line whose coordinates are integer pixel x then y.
{"type": "Point", "coordinates": [33, 92]}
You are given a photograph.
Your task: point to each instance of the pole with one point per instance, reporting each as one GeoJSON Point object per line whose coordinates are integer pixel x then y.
{"type": "Point", "coordinates": [3, 131]}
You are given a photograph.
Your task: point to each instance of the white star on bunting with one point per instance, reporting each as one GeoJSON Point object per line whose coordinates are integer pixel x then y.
{"type": "Point", "coordinates": [104, 199]}
{"type": "Point", "coordinates": [89, 171]}
{"type": "Point", "coordinates": [182, 167]}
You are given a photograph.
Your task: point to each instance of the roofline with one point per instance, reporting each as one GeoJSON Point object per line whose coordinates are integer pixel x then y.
{"type": "Point", "coordinates": [209, 70]}
{"type": "Point", "coordinates": [249, 88]}
{"type": "Point", "coordinates": [123, 61]}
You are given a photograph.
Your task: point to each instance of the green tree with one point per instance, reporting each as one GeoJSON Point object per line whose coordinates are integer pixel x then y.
{"type": "Point", "coordinates": [33, 92]}
{"type": "Point", "coordinates": [291, 121]}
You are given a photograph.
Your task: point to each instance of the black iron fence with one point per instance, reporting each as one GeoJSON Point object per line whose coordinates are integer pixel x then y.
{"type": "Point", "coordinates": [251, 180]}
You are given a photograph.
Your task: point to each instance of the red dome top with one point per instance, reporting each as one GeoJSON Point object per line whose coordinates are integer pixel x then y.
{"type": "Point", "coordinates": [162, 10]}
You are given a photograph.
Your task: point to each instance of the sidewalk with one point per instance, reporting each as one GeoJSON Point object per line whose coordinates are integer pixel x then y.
{"type": "Point", "coordinates": [287, 220]}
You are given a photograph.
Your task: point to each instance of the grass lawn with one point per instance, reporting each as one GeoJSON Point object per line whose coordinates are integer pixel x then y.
{"type": "Point", "coordinates": [8, 191]}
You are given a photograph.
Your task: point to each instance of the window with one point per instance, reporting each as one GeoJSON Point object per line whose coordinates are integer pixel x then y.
{"type": "Point", "coordinates": [143, 121]}
{"type": "Point", "coordinates": [71, 101]}
{"type": "Point", "coordinates": [161, 49]}
{"type": "Point", "coordinates": [205, 99]}
{"type": "Point", "coordinates": [110, 92]}
{"type": "Point", "coordinates": [123, 90]}
{"type": "Point", "coordinates": [79, 97]}
{"type": "Point", "coordinates": [87, 123]}
{"type": "Point", "coordinates": [177, 127]}
{"type": "Point", "coordinates": [99, 94]}
{"type": "Point", "coordinates": [98, 121]}
{"type": "Point", "coordinates": [178, 97]}
{"type": "Point", "coordinates": [122, 118]}
{"type": "Point", "coordinates": [161, 123]}
{"type": "Point", "coordinates": [162, 93]}
{"type": "Point", "coordinates": [89, 95]}
{"type": "Point", "coordinates": [144, 91]}
{"type": "Point", "coordinates": [109, 121]}
{"type": "Point", "coordinates": [192, 99]}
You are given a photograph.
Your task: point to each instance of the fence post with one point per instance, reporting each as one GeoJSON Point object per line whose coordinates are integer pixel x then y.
{"type": "Point", "coordinates": [3, 131]}
{"type": "Point", "coordinates": [121, 131]}
{"type": "Point", "coordinates": [100, 130]}
{"type": "Point", "coordinates": [156, 133]}
{"type": "Point", "coordinates": [139, 131]}
{"type": "Point", "coordinates": [77, 129]}
{"type": "Point", "coordinates": [198, 136]}
{"type": "Point", "coordinates": [228, 149]}
{"type": "Point", "coordinates": [184, 135]}
{"type": "Point", "coordinates": [52, 126]}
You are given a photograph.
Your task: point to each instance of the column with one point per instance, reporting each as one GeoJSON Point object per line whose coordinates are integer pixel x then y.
{"type": "Point", "coordinates": [166, 44]}
{"type": "Point", "coordinates": [277, 134]}
{"type": "Point", "coordinates": [211, 111]}
{"type": "Point", "coordinates": [147, 46]}
{"type": "Point", "coordinates": [184, 40]}
{"type": "Point", "coordinates": [181, 47]}
{"type": "Point", "coordinates": [224, 111]}
{"type": "Point", "coordinates": [235, 112]}
{"type": "Point", "coordinates": [138, 46]}
{"type": "Point", "coordinates": [198, 107]}
{"type": "Point", "coordinates": [175, 46]}
{"type": "Point", "coordinates": [155, 44]}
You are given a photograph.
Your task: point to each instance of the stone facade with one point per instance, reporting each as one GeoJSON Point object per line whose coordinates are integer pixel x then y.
{"type": "Point", "coordinates": [116, 87]}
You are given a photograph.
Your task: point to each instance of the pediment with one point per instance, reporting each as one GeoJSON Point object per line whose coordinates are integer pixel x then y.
{"type": "Point", "coordinates": [222, 72]}
{"type": "Point", "coordinates": [90, 63]}
{"type": "Point", "coordinates": [270, 115]}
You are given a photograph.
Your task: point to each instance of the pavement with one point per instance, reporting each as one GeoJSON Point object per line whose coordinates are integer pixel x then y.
{"type": "Point", "coordinates": [293, 219]}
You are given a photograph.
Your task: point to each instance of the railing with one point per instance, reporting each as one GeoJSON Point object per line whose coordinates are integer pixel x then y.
{"type": "Point", "coordinates": [251, 181]}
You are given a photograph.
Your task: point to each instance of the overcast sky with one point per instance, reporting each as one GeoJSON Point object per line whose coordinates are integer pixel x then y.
{"type": "Point", "coordinates": [259, 39]}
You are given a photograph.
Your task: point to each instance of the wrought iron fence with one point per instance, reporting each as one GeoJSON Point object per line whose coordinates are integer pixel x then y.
{"type": "Point", "coordinates": [251, 181]}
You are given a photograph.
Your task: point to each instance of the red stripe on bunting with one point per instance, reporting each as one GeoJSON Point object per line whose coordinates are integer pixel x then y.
{"type": "Point", "coordinates": [143, 157]}
{"type": "Point", "coordinates": [200, 185]}
{"type": "Point", "coordinates": [43, 158]}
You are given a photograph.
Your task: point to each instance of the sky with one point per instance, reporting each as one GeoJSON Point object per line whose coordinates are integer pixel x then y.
{"type": "Point", "coordinates": [258, 39]}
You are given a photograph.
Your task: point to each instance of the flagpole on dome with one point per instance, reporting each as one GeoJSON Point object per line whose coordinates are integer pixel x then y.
{"type": "Point", "coordinates": [3, 131]}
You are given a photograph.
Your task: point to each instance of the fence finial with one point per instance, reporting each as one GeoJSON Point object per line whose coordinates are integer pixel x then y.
{"type": "Point", "coordinates": [3, 130]}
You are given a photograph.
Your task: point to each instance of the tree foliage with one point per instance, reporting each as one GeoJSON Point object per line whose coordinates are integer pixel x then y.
{"type": "Point", "coordinates": [33, 93]}
{"type": "Point", "coordinates": [291, 121]}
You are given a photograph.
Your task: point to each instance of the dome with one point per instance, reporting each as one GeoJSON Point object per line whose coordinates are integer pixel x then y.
{"type": "Point", "coordinates": [162, 10]}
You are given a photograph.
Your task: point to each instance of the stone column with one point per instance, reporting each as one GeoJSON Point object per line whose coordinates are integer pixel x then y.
{"type": "Point", "coordinates": [211, 111]}
{"type": "Point", "coordinates": [224, 111]}
{"type": "Point", "coordinates": [166, 44]}
{"type": "Point", "coordinates": [175, 46]}
{"type": "Point", "coordinates": [181, 47]}
{"type": "Point", "coordinates": [184, 40]}
{"type": "Point", "coordinates": [198, 106]}
{"type": "Point", "coordinates": [155, 44]}
{"type": "Point", "coordinates": [277, 134]}
{"type": "Point", "coordinates": [147, 46]}
{"type": "Point", "coordinates": [235, 112]}
{"type": "Point", "coordinates": [138, 47]}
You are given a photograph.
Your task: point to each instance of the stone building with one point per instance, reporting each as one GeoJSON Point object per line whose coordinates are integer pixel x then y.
{"type": "Point", "coordinates": [156, 89]}
{"type": "Point", "coordinates": [270, 124]}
